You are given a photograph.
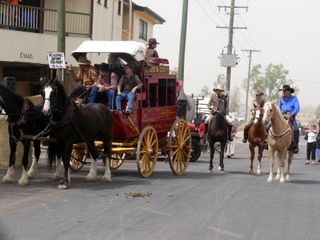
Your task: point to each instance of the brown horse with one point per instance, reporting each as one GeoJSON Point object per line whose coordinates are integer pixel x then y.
{"type": "Point", "coordinates": [280, 139]}
{"type": "Point", "coordinates": [256, 136]}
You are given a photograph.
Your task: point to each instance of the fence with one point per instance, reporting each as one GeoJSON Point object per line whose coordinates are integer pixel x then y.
{"type": "Point", "coordinates": [34, 19]}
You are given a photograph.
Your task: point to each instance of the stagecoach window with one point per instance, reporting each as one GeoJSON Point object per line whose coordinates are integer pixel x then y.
{"type": "Point", "coordinates": [105, 3]}
{"type": "Point", "coordinates": [153, 94]}
{"type": "Point", "coordinates": [119, 8]}
{"type": "Point", "coordinates": [143, 30]}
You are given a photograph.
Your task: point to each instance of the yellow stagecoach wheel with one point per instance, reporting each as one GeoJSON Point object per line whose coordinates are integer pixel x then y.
{"type": "Point", "coordinates": [180, 144]}
{"type": "Point", "coordinates": [147, 151]}
{"type": "Point", "coordinates": [79, 155]}
{"type": "Point", "coordinates": [117, 160]}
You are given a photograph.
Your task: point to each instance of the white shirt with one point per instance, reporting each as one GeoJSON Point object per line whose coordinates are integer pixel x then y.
{"type": "Point", "coordinates": [312, 137]}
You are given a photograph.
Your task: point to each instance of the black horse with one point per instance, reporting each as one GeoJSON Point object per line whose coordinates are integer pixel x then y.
{"type": "Point", "coordinates": [218, 132]}
{"type": "Point", "coordinates": [72, 124]}
{"type": "Point", "coordinates": [24, 118]}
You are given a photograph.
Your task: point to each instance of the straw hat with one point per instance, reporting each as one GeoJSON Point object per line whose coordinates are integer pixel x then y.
{"type": "Point", "coordinates": [219, 87]}
{"type": "Point", "coordinates": [259, 93]}
{"type": "Point", "coordinates": [83, 60]}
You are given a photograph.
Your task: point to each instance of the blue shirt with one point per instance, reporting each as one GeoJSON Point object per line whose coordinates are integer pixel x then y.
{"type": "Point", "coordinates": [291, 105]}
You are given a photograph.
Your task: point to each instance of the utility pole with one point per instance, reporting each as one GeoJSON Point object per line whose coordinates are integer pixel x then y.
{"type": "Point", "coordinates": [230, 39]}
{"type": "Point", "coordinates": [183, 35]}
{"type": "Point", "coordinates": [61, 32]}
{"type": "Point", "coordinates": [250, 55]}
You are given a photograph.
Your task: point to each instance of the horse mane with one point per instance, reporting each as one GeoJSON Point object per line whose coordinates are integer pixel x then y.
{"type": "Point", "coordinates": [8, 93]}
{"type": "Point", "coordinates": [277, 109]}
{"type": "Point", "coordinates": [60, 88]}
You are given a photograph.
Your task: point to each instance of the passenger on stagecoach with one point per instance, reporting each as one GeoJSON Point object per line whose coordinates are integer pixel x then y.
{"type": "Point", "coordinates": [290, 107]}
{"type": "Point", "coordinates": [213, 104]}
{"type": "Point", "coordinates": [151, 50]}
{"type": "Point", "coordinates": [105, 87]}
{"type": "Point", "coordinates": [127, 87]}
{"type": "Point", "coordinates": [87, 75]}
{"type": "Point", "coordinates": [258, 102]}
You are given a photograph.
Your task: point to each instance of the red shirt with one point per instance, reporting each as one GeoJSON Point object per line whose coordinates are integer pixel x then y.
{"type": "Point", "coordinates": [202, 129]}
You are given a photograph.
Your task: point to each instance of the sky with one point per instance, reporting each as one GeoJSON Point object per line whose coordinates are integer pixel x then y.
{"type": "Point", "coordinates": [284, 31]}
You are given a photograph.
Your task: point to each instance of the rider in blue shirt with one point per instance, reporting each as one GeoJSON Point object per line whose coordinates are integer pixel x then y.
{"type": "Point", "coordinates": [290, 107]}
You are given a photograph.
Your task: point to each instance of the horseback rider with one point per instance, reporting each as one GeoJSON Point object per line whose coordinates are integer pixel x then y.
{"type": "Point", "coordinates": [290, 107]}
{"type": "Point", "coordinates": [213, 104]}
{"type": "Point", "coordinates": [258, 102]}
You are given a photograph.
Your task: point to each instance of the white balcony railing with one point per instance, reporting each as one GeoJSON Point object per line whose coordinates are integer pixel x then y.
{"type": "Point", "coordinates": [33, 19]}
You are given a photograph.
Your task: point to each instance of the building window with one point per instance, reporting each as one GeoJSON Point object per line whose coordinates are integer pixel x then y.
{"type": "Point", "coordinates": [143, 30]}
{"type": "Point", "coordinates": [119, 7]}
{"type": "Point", "coordinates": [105, 3]}
{"type": "Point", "coordinates": [99, 1]}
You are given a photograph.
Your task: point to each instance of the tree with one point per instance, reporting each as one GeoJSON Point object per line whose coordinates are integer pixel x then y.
{"type": "Point", "coordinates": [317, 112]}
{"type": "Point", "coordinates": [174, 71]}
{"type": "Point", "coordinates": [273, 79]}
{"type": "Point", "coordinates": [205, 91]}
{"type": "Point", "coordinates": [235, 100]}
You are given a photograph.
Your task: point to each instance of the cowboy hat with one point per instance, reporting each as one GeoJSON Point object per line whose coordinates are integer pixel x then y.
{"type": "Point", "coordinates": [152, 41]}
{"type": "Point", "coordinates": [104, 67]}
{"type": "Point", "coordinates": [83, 60]}
{"type": "Point", "coordinates": [259, 93]}
{"type": "Point", "coordinates": [287, 87]}
{"type": "Point", "coordinates": [219, 87]}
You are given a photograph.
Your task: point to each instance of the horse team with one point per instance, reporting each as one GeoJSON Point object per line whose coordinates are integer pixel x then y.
{"type": "Point", "coordinates": [68, 123]}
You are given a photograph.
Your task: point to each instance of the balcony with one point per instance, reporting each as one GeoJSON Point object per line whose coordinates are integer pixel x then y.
{"type": "Point", "coordinates": [41, 20]}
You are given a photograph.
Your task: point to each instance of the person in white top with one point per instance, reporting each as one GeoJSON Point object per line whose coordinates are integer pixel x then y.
{"type": "Point", "coordinates": [312, 132]}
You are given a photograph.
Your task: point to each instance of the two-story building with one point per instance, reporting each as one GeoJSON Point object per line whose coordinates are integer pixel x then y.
{"type": "Point", "coordinates": [28, 31]}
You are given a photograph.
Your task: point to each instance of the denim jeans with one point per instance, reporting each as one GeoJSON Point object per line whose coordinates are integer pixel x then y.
{"type": "Point", "coordinates": [123, 96]}
{"type": "Point", "coordinates": [96, 95]}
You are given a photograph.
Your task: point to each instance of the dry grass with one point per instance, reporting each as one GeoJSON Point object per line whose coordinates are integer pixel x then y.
{"type": "Point", "coordinates": [5, 148]}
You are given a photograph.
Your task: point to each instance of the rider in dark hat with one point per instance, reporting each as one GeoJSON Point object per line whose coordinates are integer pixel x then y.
{"type": "Point", "coordinates": [289, 107]}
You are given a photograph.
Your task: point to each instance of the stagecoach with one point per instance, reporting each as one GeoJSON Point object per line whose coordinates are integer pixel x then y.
{"type": "Point", "coordinates": [153, 127]}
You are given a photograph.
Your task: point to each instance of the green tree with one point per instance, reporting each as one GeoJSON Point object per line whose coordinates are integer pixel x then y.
{"type": "Point", "coordinates": [205, 91]}
{"type": "Point", "coordinates": [174, 71]}
{"type": "Point", "coordinates": [235, 100]}
{"type": "Point", "coordinates": [317, 112]}
{"type": "Point", "coordinates": [268, 81]}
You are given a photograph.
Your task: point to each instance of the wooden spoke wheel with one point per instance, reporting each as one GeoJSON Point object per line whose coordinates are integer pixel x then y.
{"type": "Point", "coordinates": [180, 144]}
{"type": "Point", "coordinates": [117, 160]}
{"type": "Point", "coordinates": [79, 156]}
{"type": "Point", "coordinates": [147, 151]}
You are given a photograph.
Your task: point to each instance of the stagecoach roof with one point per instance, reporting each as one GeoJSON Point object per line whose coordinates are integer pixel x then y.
{"type": "Point", "coordinates": [127, 50]}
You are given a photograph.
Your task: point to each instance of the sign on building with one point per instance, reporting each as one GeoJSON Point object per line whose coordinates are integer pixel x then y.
{"type": "Point", "coordinates": [56, 60]}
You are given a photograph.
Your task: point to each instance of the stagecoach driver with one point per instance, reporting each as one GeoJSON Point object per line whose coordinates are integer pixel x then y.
{"type": "Point", "coordinates": [87, 75]}
{"type": "Point", "coordinates": [213, 104]}
{"type": "Point", "coordinates": [290, 107]}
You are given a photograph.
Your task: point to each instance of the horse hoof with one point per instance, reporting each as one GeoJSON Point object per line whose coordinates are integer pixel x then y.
{"type": "Point", "coordinates": [22, 183]}
{"type": "Point", "coordinates": [106, 180]}
{"type": "Point", "coordinates": [6, 180]}
{"type": "Point", "coordinates": [63, 186]}
{"type": "Point", "coordinates": [89, 179]}
{"type": "Point", "coordinates": [209, 171]}
{"type": "Point", "coordinates": [56, 177]}
{"type": "Point", "coordinates": [269, 180]}
{"type": "Point", "coordinates": [250, 171]}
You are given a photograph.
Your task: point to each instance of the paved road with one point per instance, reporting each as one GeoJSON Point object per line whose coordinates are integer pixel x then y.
{"type": "Point", "coordinates": [196, 205]}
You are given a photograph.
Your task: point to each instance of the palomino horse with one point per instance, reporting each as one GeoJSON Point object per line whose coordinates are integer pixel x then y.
{"type": "Point", "coordinates": [256, 136]}
{"type": "Point", "coordinates": [279, 140]}
{"type": "Point", "coordinates": [23, 119]}
{"type": "Point", "coordinates": [72, 124]}
{"type": "Point", "coordinates": [218, 132]}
